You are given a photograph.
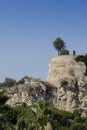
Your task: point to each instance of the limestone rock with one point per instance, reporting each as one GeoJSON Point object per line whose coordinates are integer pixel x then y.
{"type": "Point", "coordinates": [73, 94]}
{"type": "Point", "coordinates": [62, 67]}
{"type": "Point", "coordinates": [30, 92]}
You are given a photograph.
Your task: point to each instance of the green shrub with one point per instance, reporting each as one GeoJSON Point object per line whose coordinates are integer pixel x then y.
{"type": "Point", "coordinates": [8, 82]}
{"type": "Point", "coordinates": [82, 58]}
{"type": "Point", "coordinates": [64, 52]}
{"type": "Point", "coordinates": [64, 82]}
{"type": "Point", "coordinates": [77, 126]}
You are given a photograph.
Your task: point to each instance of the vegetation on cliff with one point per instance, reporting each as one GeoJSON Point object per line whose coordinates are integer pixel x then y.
{"type": "Point", "coordinates": [39, 116]}
{"type": "Point", "coordinates": [60, 46]}
{"type": "Point", "coordinates": [82, 58]}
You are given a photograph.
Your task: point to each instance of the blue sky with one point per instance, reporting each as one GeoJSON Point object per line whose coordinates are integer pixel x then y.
{"type": "Point", "coordinates": [28, 28]}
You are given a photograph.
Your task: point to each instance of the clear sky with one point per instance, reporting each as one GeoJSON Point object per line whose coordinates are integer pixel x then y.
{"type": "Point", "coordinates": [28, 28]}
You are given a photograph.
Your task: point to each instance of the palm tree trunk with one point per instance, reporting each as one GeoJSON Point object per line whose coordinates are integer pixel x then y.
{"type": "Point", "coordinates": [58, 52]}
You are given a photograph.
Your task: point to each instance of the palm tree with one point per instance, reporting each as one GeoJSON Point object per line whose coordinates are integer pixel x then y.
{"type": "Point", "coordinates": [59, 44]}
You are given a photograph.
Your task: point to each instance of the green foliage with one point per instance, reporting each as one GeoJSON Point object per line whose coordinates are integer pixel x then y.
{"type": "Point", "coordinates": [8, 82]}
{"type": "Point", "coordinates": [38, 116]}
{"type": "Point", "coordinates": [77, 126]}
{"type": "Point", "coordinates": [3, 112]}
{"type": "Point", "coordinates": [59, 44]}
{"type": "Point", "coordinates": [21, 125]}
{"type": "Point", "coordinates": [3, 98]}
{"type": "Point", "coordinates": [12, 115]}
{"type": "Point", "coordinates": [64, 82]}
{"type": "Point", "coordinates": [64, 52]}
{"type": "Point", "coordinates": [78, 112]}
{"type": "Point", "coordinates": [82, 58]}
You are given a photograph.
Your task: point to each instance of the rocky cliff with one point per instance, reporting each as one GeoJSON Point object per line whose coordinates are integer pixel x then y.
{"type": "Point", "coordinates": [29, 92]}
{"type": "Point", "coordinates": [66, 86]}
{"type": "Point", "coordinates": [65, 67]}
{"type": "Point", "coordinates": [68, 77]}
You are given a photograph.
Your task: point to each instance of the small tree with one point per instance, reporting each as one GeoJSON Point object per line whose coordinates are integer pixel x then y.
{"type": "Point", "coordinates": [59, 44]}
{"type": "Point", "coordinates": [64, 82]}
{"type": "Point", "coordinates": [9, 82]}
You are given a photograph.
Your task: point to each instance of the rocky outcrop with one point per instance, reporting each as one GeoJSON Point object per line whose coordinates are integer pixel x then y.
{"type": "Point", "coordinates": [65, 67]}
{"type": "Point", "coordinates": [65, 88]}
{"type": "Point", "coordinates": [68, 77]}
{"type": "Point", "coordinates": [31, 91]}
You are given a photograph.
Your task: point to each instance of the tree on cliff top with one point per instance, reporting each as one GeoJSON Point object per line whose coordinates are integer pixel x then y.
{"type": "Point", "coordinates": [59, 44]}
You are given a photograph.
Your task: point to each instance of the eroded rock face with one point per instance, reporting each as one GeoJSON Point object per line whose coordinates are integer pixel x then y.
{"type": "Point", "coordinates": [73, 94]}
{"type": "Point", "coordinates": [65, 67]}
{"type": "Point", "coordinates": [29, 92]}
